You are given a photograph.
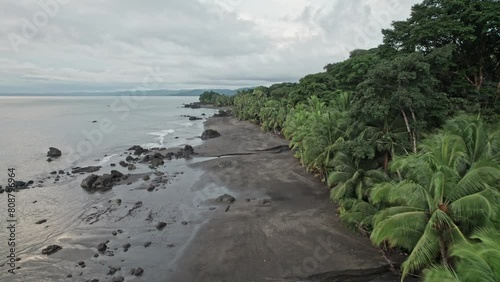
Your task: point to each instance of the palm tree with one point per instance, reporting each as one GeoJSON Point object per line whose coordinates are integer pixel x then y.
{"type": "Point", "coordinates": [474, 261]}
{"type": "Point", "coordinates": [351, 184]}
{"type": "Point", "coordinates": [438, 202]}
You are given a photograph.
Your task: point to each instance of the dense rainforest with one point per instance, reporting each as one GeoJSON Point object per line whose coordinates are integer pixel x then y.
{"type": "Point", "coordinates": [407, 137]}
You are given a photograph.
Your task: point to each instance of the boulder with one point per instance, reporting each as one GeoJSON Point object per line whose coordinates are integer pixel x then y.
{"type": "Point", "coordinates": [131, 167]}
{"type": "Point", "coordinates": [104, 181]}
{"type": "Point", "coordinates": [54, 152]}
{"type": "Point", "coordinates": [2, 190]}
{"type": "Point", "coordinates": [194, 118]}
{"type": "Point", "coordinates": [61, 171]}
{"type": "Point", "coordinates": [116, 175]}
{"type": "Point", "coordinates": [158, 156]}
{"type": "Point", "coordinates": [118, 279]}
{"type": "Point", "coordinates": [41, 221]}
{"type": "Point", "coordinates": [88, 182]}
{"type": "Point", "coordinates": [102, 247]}
{"type": "Point", "coordinates": [209, 134]}
{"type": "Point", "coordinates": [51, 249]}
{"type": "Point", "coordinates": [123, 163]}
{"type": "Point", "coordinates": [49, 160]}
{"type": "Point", "coordinates": [129, 159]}
{"type": "Point", "coordinates": [161, 225]}
{"type": "Point", "coordinates": [189, 149]}
{"type": "Point", "coordinates": [226, 198]}
{"type": "Point", "coordinates": [139, 151]}
{"type": "Point", "coordinates": [157, 162]}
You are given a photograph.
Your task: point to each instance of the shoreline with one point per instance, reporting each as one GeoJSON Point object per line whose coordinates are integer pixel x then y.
{"type": "Point", "coordinates": [281, 227]}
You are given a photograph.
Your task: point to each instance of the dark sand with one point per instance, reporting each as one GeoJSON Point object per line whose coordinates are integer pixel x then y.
{"type": "Point", "coordinates": [282, 226]}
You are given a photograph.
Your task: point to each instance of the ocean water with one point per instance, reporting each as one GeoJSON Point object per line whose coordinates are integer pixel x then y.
{"type": "Point", "coordinates": [79, 220]}
{"type": "Point", "coordinates": [30, 125]}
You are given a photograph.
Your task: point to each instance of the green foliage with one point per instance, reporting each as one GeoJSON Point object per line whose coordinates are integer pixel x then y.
{"type": "Point", "coordinates": [476, 260]}
{"type": "Point", "coordinates": [216, 99]}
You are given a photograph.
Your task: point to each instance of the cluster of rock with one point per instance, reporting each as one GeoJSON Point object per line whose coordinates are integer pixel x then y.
{"type": "Point", "coordinates": [195, 105]}
{"type": "Point", "coordinates": [103, 182]}
{"type": "Point", "coordinates": [191, 118]}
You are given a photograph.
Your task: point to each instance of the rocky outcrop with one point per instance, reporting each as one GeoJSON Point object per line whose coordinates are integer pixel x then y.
{"type": "Point", "coordinates": [54, 152]}
{"type": "Point", "coordinates": [209, 134]}
{"type": "Point", "coordinates": [138, 150]}
{"type": "Point", "coordinates": [88, 182]}
{"type": "Point", "coordinates": [103, 182]}
{"type": "Point", "coordinates": [195, 105]}
{"type": "Point", "coordinates": [226, 198]}
{"type": "Point", "coordinates": [51, 249]}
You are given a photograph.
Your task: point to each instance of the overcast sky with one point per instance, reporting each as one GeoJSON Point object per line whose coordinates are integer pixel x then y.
{"type": "Point", "coordinates": [104, 45]}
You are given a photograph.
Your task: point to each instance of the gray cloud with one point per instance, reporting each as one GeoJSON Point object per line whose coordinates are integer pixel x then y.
{"type": "Point", "coordinates": [109, 44]}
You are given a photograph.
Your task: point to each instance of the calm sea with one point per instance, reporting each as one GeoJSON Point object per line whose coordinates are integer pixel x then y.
{"type": "Point", "coordinates": [87, 128]}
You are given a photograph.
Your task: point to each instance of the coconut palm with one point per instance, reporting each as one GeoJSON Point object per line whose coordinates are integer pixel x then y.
{"type": "Point", "coordinates": [478, 260]}
{"type": "Point", "coordinates": [438, 202]}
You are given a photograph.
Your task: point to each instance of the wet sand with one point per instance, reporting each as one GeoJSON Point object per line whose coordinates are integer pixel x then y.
{"type": "Point", "coordinates": [282, 226]}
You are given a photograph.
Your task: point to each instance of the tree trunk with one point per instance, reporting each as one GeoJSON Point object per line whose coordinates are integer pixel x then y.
{"type": "Point", "coordinates": [410, 133]}
{"type": "Point", "coordinates": [386, 160]}
{"type": "Point", "coordinates": [444, 252]}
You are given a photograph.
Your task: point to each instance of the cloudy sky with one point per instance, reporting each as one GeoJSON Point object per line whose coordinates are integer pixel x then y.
{"type": "Point", "coordinates": [104, 45]}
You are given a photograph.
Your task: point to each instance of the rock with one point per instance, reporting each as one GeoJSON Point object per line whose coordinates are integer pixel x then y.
{"type": "Point", "coordinates": [104, 182]}
{"type": "Point", "coordinates": [61, 171]}
{"type": "Point", "coordinates": [157, 162]}
{"type": "Point", "coordinates": [194, 118]}
{"type": "Point", "coordinates": [189, 149]}
{"type": "Point", "coordinates": [127, 246]}
{"type": "Point", "coordinates": [88, 182]}
{"type": "Point", "coordinates": [209, 134]}
{"type": "Point", "coordinates": [151, 188]}
{"type": "Point", "coordinates": [81, 263]}
{"type": "Point", "coordinates": [94, 121]}
{"type": "Point", "coordinates": [195, 105]}
{"type": "Point", "coordinates": [51, 249]}
{"type": "Point", "coordinates": [88, 169]}
{"type": "Point", "coordinates": [147, 244]}
{"type": "Point", "coordinates": [116, 174]}
{"type": "Point", "coordinates": [161, 225]}
{"type": "Point", "coordinates": [137, 272]}
{"type": "Point", "coordinates": [112, 271]}
{"type": "Point", "coordinates": [139, 151]}
{"type": "Point", "coordinates": [2, 190]}
{"type": "Point", "coordinates": [41, 221]}
{"type": "Point", "coordinates": [184, 223]}
{"type": "Point", "coordinates": [102, 247]}
{"type": "Point", "coordinates": [123, 163]}
{"type": "Point", "coordinates": [226, 198]}
{"type": "Point", "coordinates": [131, 167]}
{"type": "Point", "coordinates": [133, 148]}
{"type": "Point", "coordinates": [54, 172]}
{"type": "Point", "coordinates": [69, 276]}
{"type": "Point", "coordinates": [112, 165]}
{"type": "Point", "coordinates": [114, 233]}
{"type": "Point", "coordinates": [158, 156]}
{"type": "Point", "coordinates": [129, 159]}
{"type": "Point", "coordinates": [54, 152]}
{"type": "Point", "coordinates": [264, 201]}
{"type": "Point", "coordinates": [170, 245]}
{"type": "Point", "coordinates": [49, 160]}
{"type": "Point", "coordinates": [118, 279]}
{"type": "Point", "coordinates": [146, 178]}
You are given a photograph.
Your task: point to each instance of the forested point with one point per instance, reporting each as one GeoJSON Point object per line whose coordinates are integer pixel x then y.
{"type": "Point", "coordinates": [406, 136]}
